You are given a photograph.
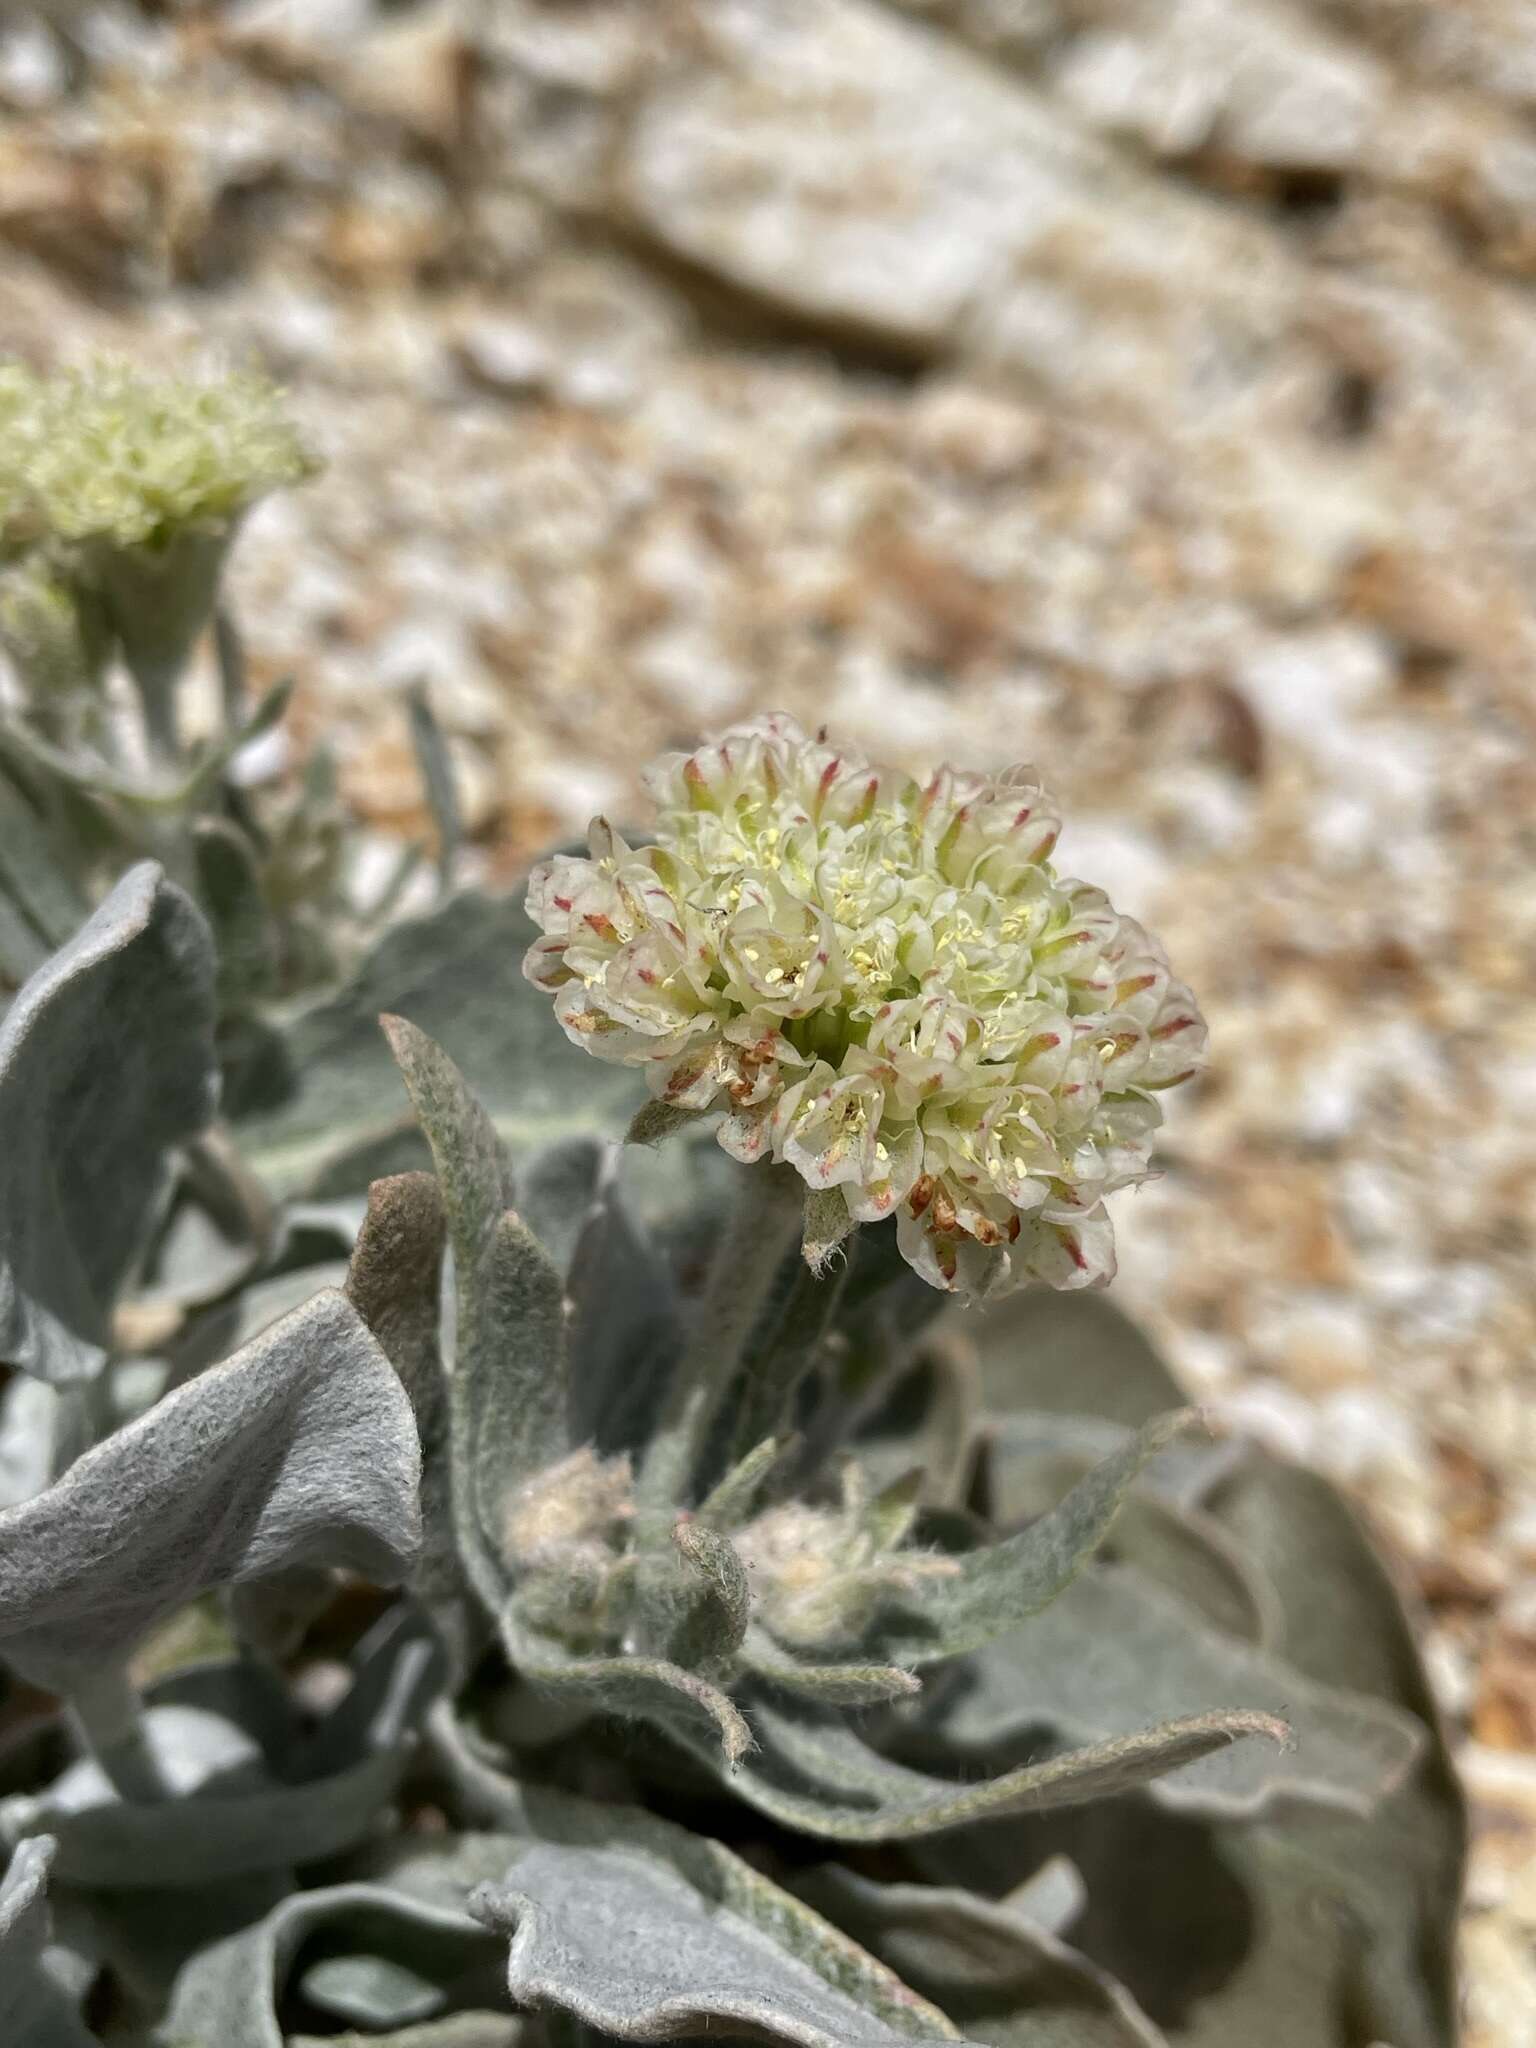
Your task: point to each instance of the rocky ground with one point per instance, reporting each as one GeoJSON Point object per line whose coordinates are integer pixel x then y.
{"type": "Point", "coordinates": [1138, 386]}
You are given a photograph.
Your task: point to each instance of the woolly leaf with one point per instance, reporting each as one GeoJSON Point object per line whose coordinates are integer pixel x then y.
{"type": "Point", "coordinates": [997, 1587]}
{"type": "Point", "coordinates": [559, 1189]}
{"type": "Point", "coordinates": [1075, 1353]}
{"type": "Point", "coordinates": [632, 1949]}
{"type": "Point", "coordinates": [457, 974]}
{"type": "Point", "coordinates": [815, 1774]}
{"type": "Point", "coordinates": [1351, 1916]}
{"type": "Point", "coordinates": [1001, 1976]}
{"type": "Point", "coordinates": [250, 1794]}
{"type": "Point", "coordinates": [828, 1685]}
{"type": "Point", "coordinates": [106, 1061]}
{"type": "Point", "coordinates": [655, 1121]}
{"type": "Point", "coordinates": [700, 1940]}
{"type": "Point", "coordinates": [1116, 1651]}
{"type": "Point", "coordinates": [465, 1149]}
{"type": "Point", "coordinates": [229, 888]}
{"type": "Point", "coordinates": [393, 1283]}
{"type": "Point", "coordinates": [733, 1891]}
{"type": "Point", "coordinates": [718, 1599]}
{"type": "Point", "coordinates": [34, 2012]}
{"type": "Point", "coordinates": [1033, 1460]}
{"type": "Point", "coordinates": [508, 1391]}
{"type": "Point", "coordinates": [731, 1501]}
{"type": "Point", "coordinates": [300, 1450]}
{"type": "Point", "coordinates": [229, 1993]}
{"type": "Point", "coordinates": [372, 1991]}
{"type": "Point", "coordinates": [1023, 1446]}
{"type": "Point", "coordinates": [788, 1344]}
{"type": "Point", "coordinates": [641, 1688]}
{"type": "Point", "coordinates": [625, 1320]}
{"type": "Point", "coordinates": [439, 782]}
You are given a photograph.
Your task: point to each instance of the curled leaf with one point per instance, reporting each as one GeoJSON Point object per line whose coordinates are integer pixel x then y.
{"type": "Point", "coordinates": [714, 1621]}
{"type": "Point", "coordinates": [647, 1932]}
{"type": "Point", "coordinates": [630, 1948]}
{"type": "Point", "coordinates": [813, 1773]}
{"type": "Point", "coordinates": [1116, 1651]}
{"type": "Point", "coordinates": [300, 1450]}
{"type": "Point", "coordinates": [828, 1685]}
{"type": "Point", "coordinates": [230, 1993]}
{"type": "Point", "coordinates": [643, 1688]}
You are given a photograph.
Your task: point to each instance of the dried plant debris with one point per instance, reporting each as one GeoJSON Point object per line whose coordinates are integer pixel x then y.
{"type": "Point", "coordinates": [535, 1639]}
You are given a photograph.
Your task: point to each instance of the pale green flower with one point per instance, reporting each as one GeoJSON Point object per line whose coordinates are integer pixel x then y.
{"type": "Point", "coordinates": [129, 485]}
{"type": "Point", "coordinates": [130, 457]}
{"type": "Point", "coordinates": [885, 984]}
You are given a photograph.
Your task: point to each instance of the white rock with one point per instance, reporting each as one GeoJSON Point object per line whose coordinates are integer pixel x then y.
{"type": "Point", "coordinates": [1307, 686]}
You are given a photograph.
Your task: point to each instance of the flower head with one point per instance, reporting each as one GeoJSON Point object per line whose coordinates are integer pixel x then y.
{"type": "Point", "coordinates": [125, 457]}
{"type": "Point", "coordinates": [885, 984]}
{"type": "Point", "coordinates": [124, 487]}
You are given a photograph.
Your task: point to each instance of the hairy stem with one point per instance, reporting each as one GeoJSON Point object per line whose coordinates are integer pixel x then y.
{"type": "Point", "coordinates": [775, 1370]}
{"type": "Point", "coordinates": [765, 1224]}
{"type": "Point", "coordinates": [107, 1711]}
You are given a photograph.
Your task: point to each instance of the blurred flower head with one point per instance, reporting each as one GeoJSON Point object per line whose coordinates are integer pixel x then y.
{"type": "Point", "coordinates": [884, 984]}
{"type": "Point", "coordinates": [115, 454]}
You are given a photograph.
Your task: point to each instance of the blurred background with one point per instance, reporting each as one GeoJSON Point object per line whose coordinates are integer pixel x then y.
{"type": "Point", "coordinates": [1144, 388]}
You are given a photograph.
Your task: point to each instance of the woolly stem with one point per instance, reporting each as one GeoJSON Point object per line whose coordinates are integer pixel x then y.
{"type": "Point", "coordinates": [766, 1222]}
{"type": "Point", "coordinates": [107, 1711]}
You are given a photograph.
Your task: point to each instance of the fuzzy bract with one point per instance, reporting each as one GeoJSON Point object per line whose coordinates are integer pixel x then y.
{"type": "Point", "coordinates": [884, 983]}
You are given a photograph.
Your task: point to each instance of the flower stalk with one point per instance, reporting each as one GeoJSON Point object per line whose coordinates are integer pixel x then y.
{"type": "Point", "coordinates": [752, 1247]}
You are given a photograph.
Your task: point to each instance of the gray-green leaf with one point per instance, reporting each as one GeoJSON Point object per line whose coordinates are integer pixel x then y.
{"type": "Point", "coordinates": [508, 1390]}
{"type": "Point", "coordinates": [34, 2012]}
{"type": "Point", "coordinates": [394, 1282]}
{"type": "Point", "coordinates": [229, 1993]}
{"type": "Point", "coordinates": [724, 1947]}
{"type": "Point", "coordinates": [1000, 1975]}
{"type": "Point", "coordinates": [997, 1587]}
{"type": "Point", "coordinates": [1351, 1916]}
{"type": "Point", "coordinates": [1116, 1651]}
{"type": "Point", "coordinates": [813, 1773]}
{"type": "Point", "coordinates": [251, 1793]}
{"type": "Point", "coordinates": [631, 1687]}
{"type": "Point", "coordinates": [457, 974]}
{"type": "Point", "coordinates": [301, 1449]}
{"type": "Point", "coordinates": [106, 1062]}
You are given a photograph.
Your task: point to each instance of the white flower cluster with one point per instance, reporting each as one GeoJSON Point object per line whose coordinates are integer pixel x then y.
{"type": "Point", "coordinates": [884, 983]}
